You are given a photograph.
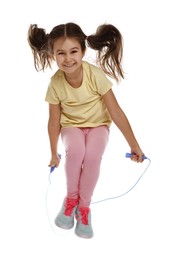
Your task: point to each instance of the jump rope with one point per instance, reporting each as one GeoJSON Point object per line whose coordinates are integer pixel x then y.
{"type": "Point", "coordinates": [127, 155]}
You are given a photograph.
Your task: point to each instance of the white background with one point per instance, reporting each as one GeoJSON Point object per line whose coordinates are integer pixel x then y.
{"type": "Point", "coordinates": [135, 226]}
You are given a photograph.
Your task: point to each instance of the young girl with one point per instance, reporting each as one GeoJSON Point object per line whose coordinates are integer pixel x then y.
{"type": "Point", "coordinates": [82, 107]}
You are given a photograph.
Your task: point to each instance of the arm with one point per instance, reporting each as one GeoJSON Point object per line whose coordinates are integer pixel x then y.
{"type": "Point", "coordinates": [121, 121]}
{"type": "Point", "coordinates": [54, 132]}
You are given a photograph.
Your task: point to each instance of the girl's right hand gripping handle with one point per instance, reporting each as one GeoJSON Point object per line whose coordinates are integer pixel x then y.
{"type": "Point", "coordinates": [129, 155]}
{"type": "Point", "coordinates": [52, 168]}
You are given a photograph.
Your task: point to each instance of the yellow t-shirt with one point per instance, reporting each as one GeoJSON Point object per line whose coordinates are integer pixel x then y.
{"type": "Point", "coordinates": [83, 106]}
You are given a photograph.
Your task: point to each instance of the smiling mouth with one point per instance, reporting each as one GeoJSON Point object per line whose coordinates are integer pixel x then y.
{"type": "Point", "coordinates": [69, 65]}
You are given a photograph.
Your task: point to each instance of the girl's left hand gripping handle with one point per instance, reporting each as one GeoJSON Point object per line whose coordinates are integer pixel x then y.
{"type": "Point", "coordinates": [128, 155]}
{"type": "Point", "coordinates": [53, 167]}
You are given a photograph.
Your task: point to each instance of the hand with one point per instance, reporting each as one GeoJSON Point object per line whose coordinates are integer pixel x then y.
{"type": "Point", "coordinates": [55, 161]}
{"type": "Point", "coordinates": [137, 155]}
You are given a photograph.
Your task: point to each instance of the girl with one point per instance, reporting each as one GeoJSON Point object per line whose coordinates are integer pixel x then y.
{"type": "Point", "coordinates": [82, 107]}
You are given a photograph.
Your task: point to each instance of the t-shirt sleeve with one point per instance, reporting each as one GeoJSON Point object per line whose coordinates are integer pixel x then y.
{"type": "Point", "coordinates": [103, 84]}
{"type": "Point", "coordinates": [51, 95]}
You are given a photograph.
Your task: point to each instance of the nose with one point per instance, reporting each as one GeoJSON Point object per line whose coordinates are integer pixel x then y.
{"type": "Point", "coordinates": [67, 57]}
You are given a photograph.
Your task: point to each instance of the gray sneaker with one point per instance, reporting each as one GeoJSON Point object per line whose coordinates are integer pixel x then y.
{"type": "Point", "coordinates": [83, 227]}
{"type": "Point", "coordinates": [65, 218]}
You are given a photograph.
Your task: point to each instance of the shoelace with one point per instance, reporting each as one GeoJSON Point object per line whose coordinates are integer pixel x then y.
{"type": "Point", "coordinates": [83, 215]}
{"type": "Point", "coordinates": [69, 205]}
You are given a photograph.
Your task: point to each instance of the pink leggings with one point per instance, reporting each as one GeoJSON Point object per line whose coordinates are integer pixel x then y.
{"type": "Point", "coordinates": [84, 149]}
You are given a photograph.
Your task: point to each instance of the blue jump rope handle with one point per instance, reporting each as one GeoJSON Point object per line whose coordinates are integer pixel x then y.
{"type": "Point", "coordinates": [53, 167]}
{"type": "Point", "coordinates": [129, 155]}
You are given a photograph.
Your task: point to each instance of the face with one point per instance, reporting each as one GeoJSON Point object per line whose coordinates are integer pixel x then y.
{"type": "Point", "coordinates": [68, 54]}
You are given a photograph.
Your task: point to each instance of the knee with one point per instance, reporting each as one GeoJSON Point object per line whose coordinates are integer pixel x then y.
{"type": "Point", "coordinates": [75, 153]}
{"type": "Point", "coordinates": [92, 158]}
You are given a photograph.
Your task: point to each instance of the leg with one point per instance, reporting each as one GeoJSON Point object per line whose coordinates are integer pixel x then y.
{"type": "Point", "coordinates": [74, 141]}
{"type": "Point", "coordinates": [96, 141]}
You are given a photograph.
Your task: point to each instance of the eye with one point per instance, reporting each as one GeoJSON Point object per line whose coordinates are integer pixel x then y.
{"type": "Point", "coordinates": [60, 53]}
{"type": "Point", "coordinates": [74, 51]}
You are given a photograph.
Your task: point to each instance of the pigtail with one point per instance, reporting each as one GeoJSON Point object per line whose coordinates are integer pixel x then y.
{"type": "Point", "coordinates": [108, 42]}
{"type": "Point", "coordinates": [38, 41]}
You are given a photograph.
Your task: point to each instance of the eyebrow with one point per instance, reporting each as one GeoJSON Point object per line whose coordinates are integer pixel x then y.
{"type": "Point", "coordinates": [74, 48]}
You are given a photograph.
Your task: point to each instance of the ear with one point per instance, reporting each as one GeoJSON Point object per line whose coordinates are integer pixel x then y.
{"type": "Point", "coordinates": [52, 56]}
{"type": "Point", "coordinates": [83, 53]}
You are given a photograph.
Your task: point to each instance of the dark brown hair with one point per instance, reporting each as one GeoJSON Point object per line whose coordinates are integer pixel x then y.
{"type": "Point", "coordinates": [107, 41]}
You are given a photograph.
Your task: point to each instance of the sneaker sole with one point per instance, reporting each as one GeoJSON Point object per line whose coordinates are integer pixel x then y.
{"type": "Point", "coordinates": [63, 226]}
{"type": "Point", "coordinates": [84, 236]}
